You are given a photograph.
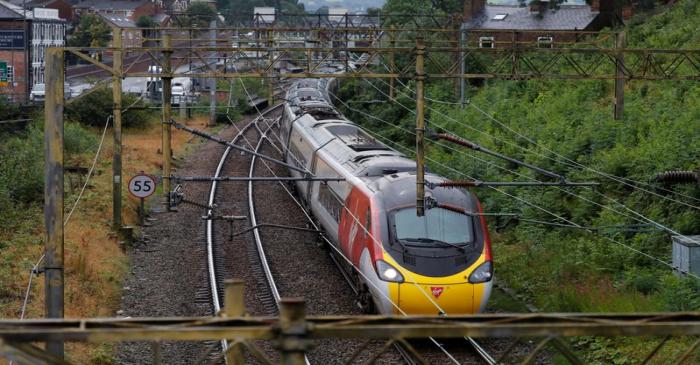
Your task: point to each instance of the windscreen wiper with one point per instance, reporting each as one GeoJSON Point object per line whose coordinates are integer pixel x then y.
{"type": "Point", "coordinates": [430, 240]}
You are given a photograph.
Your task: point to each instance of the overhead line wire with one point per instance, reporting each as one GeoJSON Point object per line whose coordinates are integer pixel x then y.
{"type": "Point", "coordinates": [576, 225]}
{"type": "Point", "coordinates": [642, 217]}
{"type": "Point", "coordinates": [564, 160]}
{"type": "Point", "coordinates": [448, 354]}
{"type": "Point", "coordinates": [331, 245]}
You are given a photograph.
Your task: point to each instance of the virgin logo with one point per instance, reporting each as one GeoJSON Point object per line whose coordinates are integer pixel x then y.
{"type": "Point", "coordinates": [436, 290]}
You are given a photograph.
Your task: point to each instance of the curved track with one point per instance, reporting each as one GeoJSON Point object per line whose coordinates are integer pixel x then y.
{"type": "Point", "coordinates": [271, 267]}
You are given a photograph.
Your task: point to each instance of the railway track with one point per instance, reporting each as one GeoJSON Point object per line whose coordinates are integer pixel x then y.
{"type": "Point", "coordinates": [280, 281]}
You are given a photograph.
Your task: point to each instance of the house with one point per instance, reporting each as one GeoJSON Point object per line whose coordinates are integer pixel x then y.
{"type": "Point", "coordinates": [131, 10]}
{"type": "Point", "coordinates": [494, 21]}
{"type": "Point", "coordinates": [131, 36]}
{"type": "Point", "coordinates": [24, 36]}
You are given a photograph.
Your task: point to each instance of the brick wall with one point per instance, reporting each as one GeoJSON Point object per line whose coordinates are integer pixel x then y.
{"type": "Point", "coordinates": [17, 90]}
{"type": "Point", "coordinates": [17, 59]}
{"type": "Point", "coordinates": [148, 9]}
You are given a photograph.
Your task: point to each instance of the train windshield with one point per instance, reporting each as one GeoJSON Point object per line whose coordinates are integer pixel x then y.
{"type": "Point", "coordinates": [437, 226]}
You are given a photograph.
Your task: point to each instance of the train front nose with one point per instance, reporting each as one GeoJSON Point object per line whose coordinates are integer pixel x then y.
{"type": "Point", "coordinates": [436, 298]}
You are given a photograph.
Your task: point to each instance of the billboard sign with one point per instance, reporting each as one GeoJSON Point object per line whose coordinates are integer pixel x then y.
{"type": "Point", "coordinates": [11, 39]}
{"type": "Point", "coordinates": [3, 73]}
{"type": "Point", "coordinates": [46, 13]}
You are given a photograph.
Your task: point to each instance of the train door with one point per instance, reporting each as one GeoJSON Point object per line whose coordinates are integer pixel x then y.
{"type": "Point", "coordinates": [326, 198]}
{"type": "Point", "coordinates": [299, 154]}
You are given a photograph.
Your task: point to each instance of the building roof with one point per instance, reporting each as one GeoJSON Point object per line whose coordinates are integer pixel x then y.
{"type": "Point", "coordinates": [38, 3]}
{"type": "Point", "coordinates": [12, 11]}
{"type": "Point", "coordinates": [9, 11]}
{"type": "Point", "coordinates": [118, 21]}
{"type": "Point", "coordinates": [567, 17]}
{"type": "Point", "coordinates": [110, 5]}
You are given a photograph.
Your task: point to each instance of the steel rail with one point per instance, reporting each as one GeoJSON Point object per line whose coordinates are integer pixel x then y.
{"type": "Point", "coordinates": [213, 283]}
{"type": "Point", "coordinates": [252, 214]}
{"type": "Point", "coordinates": [254, 223]}
{"type": "Point", "coordinates": [405, 354]}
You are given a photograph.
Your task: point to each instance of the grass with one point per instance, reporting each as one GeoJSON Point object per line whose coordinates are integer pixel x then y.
{"type": "Point", "coordinates": [95, 265]}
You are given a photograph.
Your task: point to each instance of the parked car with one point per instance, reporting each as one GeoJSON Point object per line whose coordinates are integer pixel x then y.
{"type": "Point", "coordinates": [38, 92]}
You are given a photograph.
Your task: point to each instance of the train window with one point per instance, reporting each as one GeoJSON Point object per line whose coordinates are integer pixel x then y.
{"type": "Point", "coordinates": [437, 225]}
{"type": "Point", "coordinates": [329, 201]}
{"type": "Point", "coordinates": [297, 156]}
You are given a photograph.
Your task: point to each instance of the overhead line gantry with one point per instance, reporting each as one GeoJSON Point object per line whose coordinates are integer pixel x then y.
{"type": "Point", "coordinates": [591, 56]}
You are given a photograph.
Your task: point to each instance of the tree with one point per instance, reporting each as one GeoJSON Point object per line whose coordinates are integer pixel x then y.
{"type": "Point", "coordinates": [91, 32]}
{"type": "Point", "coordinates": [200, 14]}
{"type": "Point", "coordinates": [145, 21]}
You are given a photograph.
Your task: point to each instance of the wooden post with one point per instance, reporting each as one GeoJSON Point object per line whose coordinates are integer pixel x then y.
{"type": "Point", "coordinates": [234, 306]}
{"type": "Point", "coordinates": [621, 43]}
{"type": "Point", "coordinates": [462, 67]}
{"type": "Point", "coordinates": [212, 81]}
{"type": "Point", "coordinates": [293, 329]}
{"type": "Point", "coordinates": [117, 113]}
{"type": "Point", "coordinates": [392, 60]}
{"type": "Point", "coordinates": [167, 106]}
{"type": "Point", "coordinates": [271, 73]}
{"type": "Point", "coordinates": [420, 128]}
{"type": "Point", "coordinates": [53, 190]}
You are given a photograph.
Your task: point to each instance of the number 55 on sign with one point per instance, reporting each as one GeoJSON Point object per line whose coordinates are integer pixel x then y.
{"type": "Point", "coordinates": [142, 185]}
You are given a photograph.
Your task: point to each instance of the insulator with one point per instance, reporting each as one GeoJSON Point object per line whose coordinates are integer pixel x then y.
{"type": "Point", "coordinates": [678, 177]}
{"type": "Point", "coordinates": [457, 183]}
{"type": "Point", "coordinates": [457, 140]}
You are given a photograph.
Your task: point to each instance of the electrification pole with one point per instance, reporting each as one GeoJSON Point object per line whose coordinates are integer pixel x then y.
{"type": "Point", "coordinates": [420, 128]}
{"type": "Point", "coordinates": [392, 60]}
{"type": "Point", "coordinates": [212, 80]}
{"type": "Point", "coordinates": [117, 113]}
{"type": "Point", "coordinates": [462, 66]}
{"type": "Point", "coordinates": [271, 72]}
{"type": "Point", "coordinates": [621, 43]}
{"type": "Point", "coordinates": [167, 89]}
{"type": "Point", "coordinates": [53, 190]}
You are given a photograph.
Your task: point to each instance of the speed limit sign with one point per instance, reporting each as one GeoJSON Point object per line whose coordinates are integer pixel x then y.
{"type": "Point", "coordinates": [142, 186]}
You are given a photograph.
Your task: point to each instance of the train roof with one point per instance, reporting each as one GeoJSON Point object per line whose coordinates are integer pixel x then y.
{"type": "Point", "coordinates": [355, 149]}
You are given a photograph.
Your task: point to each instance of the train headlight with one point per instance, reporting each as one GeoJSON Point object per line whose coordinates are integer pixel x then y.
{"type": "Point", "coordinates": [481, 274]}
{"type": "Point", "coordinates": [387, 272]}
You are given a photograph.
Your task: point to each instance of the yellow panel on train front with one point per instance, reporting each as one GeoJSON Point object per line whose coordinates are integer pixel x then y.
{"type": "Point", "coordinates": [426, 299]}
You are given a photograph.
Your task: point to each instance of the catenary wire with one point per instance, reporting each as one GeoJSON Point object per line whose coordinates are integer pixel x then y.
{"type": "Point", "coordinates": [649, 256]}
{"type": "Point", "coordinates": [340, 253]}
{"type": "Point", "coordinates": [641, 216]}
{"type": "Point", "coordinates": [564, 159]}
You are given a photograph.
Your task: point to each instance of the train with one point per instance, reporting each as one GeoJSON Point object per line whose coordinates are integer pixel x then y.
{"type": "Point", "coordinates": [436, 264]}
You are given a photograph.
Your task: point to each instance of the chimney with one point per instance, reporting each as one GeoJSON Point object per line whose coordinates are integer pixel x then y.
{"type": "Point", "coordinates": [595, 5]}
{"type": "Point", "coordinates": [472, 9]}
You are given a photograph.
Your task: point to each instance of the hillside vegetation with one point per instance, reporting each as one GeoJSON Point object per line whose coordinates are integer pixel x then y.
{"type": "Point", "coordinates": [565, 126]}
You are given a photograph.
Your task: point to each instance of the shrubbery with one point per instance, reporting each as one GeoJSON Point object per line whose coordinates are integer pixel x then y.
{"type": "Point", "coordinates": [22, 164]}
{"type": "Point", "coordinates": [659, 132]}
{"type": "Point", "coordinates": [94, 109]}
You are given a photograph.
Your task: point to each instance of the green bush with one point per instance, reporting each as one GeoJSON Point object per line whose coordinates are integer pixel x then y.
{"type": "Point", "coordinates": [94, 109]}
{"type": "Point", "coordinates": [22, 164]}
{"type": "Point", "coordinates": [573, 118]}
{"type": "Point", "coordinates": [22, 167]}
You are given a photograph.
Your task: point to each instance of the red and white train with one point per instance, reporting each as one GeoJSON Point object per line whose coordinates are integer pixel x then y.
{"type": "Point", "coordinates": [439, 263]}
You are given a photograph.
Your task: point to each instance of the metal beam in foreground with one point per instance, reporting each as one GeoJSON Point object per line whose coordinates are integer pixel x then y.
{"type": "Point", "coordinates": [53, 190]}
{"type": "Point", "coordinates": [371, 327]}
